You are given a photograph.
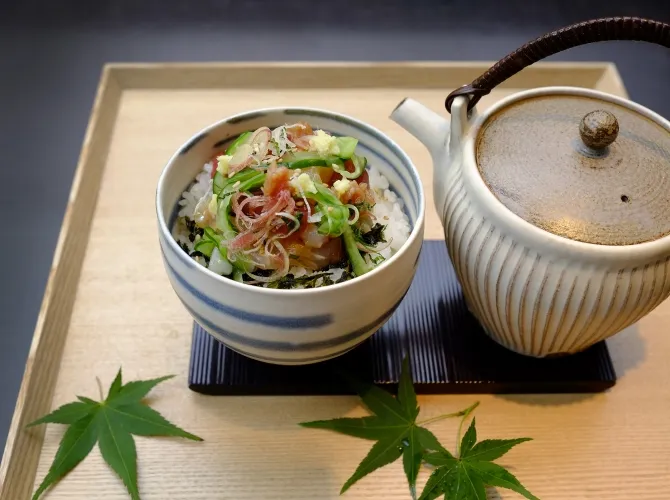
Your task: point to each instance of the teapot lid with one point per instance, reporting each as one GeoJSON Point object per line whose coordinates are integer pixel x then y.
{"type": "Point", "coordinates": [579, 166]}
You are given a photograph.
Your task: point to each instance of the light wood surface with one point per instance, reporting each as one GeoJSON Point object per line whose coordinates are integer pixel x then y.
{"type": "Point", "coordinates": [108, 303]}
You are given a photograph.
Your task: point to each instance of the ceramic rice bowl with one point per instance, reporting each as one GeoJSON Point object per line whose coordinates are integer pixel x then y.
{"type": "Point", "coordinates": [294, 326]}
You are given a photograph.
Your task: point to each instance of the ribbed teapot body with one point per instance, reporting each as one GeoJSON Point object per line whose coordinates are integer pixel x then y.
{"type": "Point", "coordinates": [538, 293]}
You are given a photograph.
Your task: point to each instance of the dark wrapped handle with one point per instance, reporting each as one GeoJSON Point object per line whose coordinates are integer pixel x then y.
{"type": "Point", "coordinates": [596, 30]}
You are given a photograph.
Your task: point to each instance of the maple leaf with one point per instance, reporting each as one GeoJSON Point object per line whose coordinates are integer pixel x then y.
{"type": "Point", "coordinates": [393, 426]}
{"type": "Point", "coordinates": [110, 423]}
{"type": "Point", "coordinates": [466, 477]}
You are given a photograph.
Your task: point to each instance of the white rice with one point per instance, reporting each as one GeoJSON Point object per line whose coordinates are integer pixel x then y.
{"type": "Point", "coordinates": [388, 210]}
{"type": "Point", "coordinates": [189, 200]}
{"type": "Point", "coordinates": [201, 186]}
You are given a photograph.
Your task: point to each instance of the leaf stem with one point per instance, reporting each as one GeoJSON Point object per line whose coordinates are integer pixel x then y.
{"type": "Point", "coordinates": [460, 413]}
{"type": "Point", "coordinates": [465, 413]}
{"type": "Point", "coordinates": [97, 379]}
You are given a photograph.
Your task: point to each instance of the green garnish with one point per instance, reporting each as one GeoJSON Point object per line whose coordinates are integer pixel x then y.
{"type": "Point", "coordinates": [347, 146]}
{"type": "Point", "coordinates": [223, 222]}
{"type": "Point", "coordinates": [247, 178]}
{"type": "Point", "coordinates": [334, 217]}
{"type": "Point", "coordinates": [397, 433]}
{"type": "Point", "coordinates": [220, 180]}
{"type": "Point", "coordinates": [218, 183]}
{"type": "Point", "coordinates": [377, 259]}
{"type": "Point", "coordinates": [210, 240]}
{"type": "Point", "coordinates": [205, 247]}
{"type": "Point", "coordinates": [241, 139]}
{"type": "Point", "coordinates": [110, 423]}
{"type": "Point", "coordinates": [357, 261]}
{"type": "Point", "coordinates": [335, 222]}
{"type": "Point", "coordinates": [335, 214]}
{"type": "Point", "coordinates": [307, 159]}
{"type": "Point", "coordinates": [359, 167]}
{"type": "Point", "coordinates": [228, 231]}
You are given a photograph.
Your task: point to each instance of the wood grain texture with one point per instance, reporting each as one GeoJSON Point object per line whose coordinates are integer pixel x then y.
{"type": "Point", "coordinates": [114, 307]}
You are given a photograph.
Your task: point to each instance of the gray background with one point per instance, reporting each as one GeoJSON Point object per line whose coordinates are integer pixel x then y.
{"type": "Point", "coordinates": [51, 55]}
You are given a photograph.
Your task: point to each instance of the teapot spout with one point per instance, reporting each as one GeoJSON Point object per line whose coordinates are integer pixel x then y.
{"type": "Point", "coordinates": [424, 124]}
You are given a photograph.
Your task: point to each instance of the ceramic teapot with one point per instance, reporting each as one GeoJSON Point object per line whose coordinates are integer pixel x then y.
{"type": "Point", "coordinates": [555, 202]}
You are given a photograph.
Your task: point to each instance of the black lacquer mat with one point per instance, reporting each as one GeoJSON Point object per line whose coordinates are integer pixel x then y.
{"type": "Point", "coordinates": [449, 353]}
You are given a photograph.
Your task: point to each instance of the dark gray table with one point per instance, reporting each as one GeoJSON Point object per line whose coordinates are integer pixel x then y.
{"type": "Point", "coordinates": [51, 55]}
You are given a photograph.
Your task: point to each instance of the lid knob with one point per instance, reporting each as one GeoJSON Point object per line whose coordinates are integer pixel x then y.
{"type": "Point", "coordinates": [598, 129]}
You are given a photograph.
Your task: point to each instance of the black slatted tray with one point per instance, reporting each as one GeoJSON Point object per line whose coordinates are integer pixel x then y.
{"type": "Point", "coordinates": [449, 353]}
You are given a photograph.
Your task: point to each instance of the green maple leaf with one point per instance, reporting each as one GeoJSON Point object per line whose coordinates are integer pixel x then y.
{"type": "Point", "coordinates": [466, 477]}
{"type": "Point", "coordinates": [110, 423]}
{"type": "Point", "coordinates": [393, 426]}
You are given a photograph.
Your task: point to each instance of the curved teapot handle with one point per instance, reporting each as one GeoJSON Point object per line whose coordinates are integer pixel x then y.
{"type": "Point", "coordinates": [596, 30]}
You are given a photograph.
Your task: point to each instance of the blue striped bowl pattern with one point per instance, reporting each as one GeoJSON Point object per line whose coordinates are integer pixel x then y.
{"type": "Point", "coordinates": [290, 326]}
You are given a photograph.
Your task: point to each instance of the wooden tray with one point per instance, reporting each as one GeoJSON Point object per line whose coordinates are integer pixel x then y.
{"type": "Point", "coordinates": [108, 303]}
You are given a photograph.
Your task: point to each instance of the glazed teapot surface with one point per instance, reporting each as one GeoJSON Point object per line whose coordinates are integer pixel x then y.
{"type": "Point", "coordinates": [555, 202]}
